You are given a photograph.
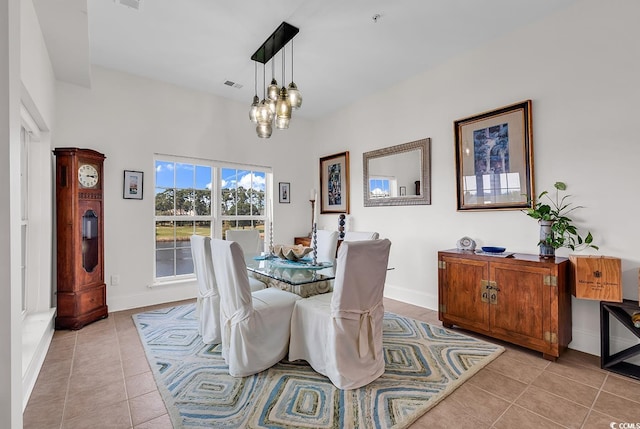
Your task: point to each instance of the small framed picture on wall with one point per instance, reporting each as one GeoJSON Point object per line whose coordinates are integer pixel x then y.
{"type": "Point", "coordinates": [285, 193]}
{"type": "Point", "coordinates": [132, 185]}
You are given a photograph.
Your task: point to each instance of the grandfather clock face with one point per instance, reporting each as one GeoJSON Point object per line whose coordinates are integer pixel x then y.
{"type": "Point", "coordinates": [88, 176]}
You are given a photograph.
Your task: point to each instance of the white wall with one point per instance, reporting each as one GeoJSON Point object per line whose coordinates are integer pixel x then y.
{"type": "Point", "coordinates": [580, 67]}
{"type": "Point", "coordinates": [129, 118]}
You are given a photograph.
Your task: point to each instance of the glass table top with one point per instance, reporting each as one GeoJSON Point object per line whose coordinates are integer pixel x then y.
{"type": "Point", "coordinates": [295, 273]}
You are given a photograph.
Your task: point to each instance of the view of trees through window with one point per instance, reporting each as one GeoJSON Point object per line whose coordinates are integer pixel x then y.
{"type": "Point", "coordinates": [242, 202]}
{"type": "Point", "coordinates": [185, 201]}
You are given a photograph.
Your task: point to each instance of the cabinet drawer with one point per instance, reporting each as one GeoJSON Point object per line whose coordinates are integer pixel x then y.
{"type": "Point", "coordinates": [91, 300]}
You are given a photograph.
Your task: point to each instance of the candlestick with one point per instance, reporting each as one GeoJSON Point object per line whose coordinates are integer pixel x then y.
{"type": "Point", "coordinates": [312, 216]}
{"type": "Point", "coordinates": [271, 228]}
{"type": "Point", "coordinates": [314, 244]}
{"type": "Point", "coordinates": [271, 239]}
{"type": "Point", "coordinates": [312, 200]}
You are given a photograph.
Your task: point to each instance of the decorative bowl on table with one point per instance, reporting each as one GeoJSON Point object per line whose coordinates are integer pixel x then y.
{"type": "Point", "coordinates": [291, 253]}
{"type": "Point", "coordinates": [493, 249]}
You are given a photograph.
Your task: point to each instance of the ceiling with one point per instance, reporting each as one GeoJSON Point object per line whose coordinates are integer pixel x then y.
{"type": "Point", "coordinates": [341, 53]}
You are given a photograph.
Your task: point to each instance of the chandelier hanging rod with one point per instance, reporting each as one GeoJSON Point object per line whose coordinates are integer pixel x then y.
{"type": "Point", "coordinates": [278, 39]}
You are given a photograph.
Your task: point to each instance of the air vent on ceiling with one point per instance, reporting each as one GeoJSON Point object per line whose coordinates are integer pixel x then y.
{"type": "Point", "coordinates": [133, 4]}
{"type": "Point", "coordinates": [232, 84]}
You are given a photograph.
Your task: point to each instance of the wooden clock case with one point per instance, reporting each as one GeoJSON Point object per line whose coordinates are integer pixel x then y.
{"type": "Point", "coordinates": [81, 290]}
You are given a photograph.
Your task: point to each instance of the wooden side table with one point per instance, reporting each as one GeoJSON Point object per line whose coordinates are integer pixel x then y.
{"type": "Point", "coordinates": [305, 241]}
{"type": "Point", "coordinates": [616, 363]}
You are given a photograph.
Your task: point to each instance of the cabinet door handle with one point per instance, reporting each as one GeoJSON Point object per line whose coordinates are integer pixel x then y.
{"type": "Point", "coordinates": [494, 298]}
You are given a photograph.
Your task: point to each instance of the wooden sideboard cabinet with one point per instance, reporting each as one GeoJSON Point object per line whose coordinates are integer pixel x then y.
{"type": "Point", "coordinates": [522, 299]}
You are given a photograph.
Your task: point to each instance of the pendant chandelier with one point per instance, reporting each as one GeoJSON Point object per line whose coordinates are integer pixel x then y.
{"type": "Point", "coordinates": [277, 102]}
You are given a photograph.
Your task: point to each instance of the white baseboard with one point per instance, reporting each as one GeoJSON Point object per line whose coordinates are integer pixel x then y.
{"type": "Point", "coordinates": [410, 296]}
{"type": "Point", "coordinates": [585, 341]}
{"type": "Point", "coordinates": [37, 332]}
{"type": "Point", "coordinates": [589, 342]}
{"type": "Point", "coordinates": [152, 296]}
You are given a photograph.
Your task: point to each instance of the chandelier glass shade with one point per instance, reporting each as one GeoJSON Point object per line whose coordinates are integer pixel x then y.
{"type": "Point", "coordinates": [295, 98]}
{"type": "Point", "coordinates": [277, 105]}
{"type": "Point", "coordinates": [264, 114]}
{"type": "Point", "coordinates": [273, 90]}
{"type": "Point", "coordinates": [264, 130]}
{"type": "Point", "coordinates": [253, 111]}
{"type": "Point", "coordinates": [283, 110]}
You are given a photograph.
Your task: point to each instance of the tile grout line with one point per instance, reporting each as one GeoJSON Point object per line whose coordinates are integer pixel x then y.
{"type": "Point", "coordinates": [124, 378]}
{"type": "Point", "coordinates": [591, 409]}
{"type": "Point", "coordinates": [66, 394]}
{"type": "Point", "coordinates": [513, 403]}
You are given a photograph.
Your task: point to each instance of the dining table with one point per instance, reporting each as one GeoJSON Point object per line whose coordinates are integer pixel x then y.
{"type": "Point", "coordinates": [301, 277]}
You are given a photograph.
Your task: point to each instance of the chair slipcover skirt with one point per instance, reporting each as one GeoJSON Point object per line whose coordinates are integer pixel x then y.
{"type": "Point", "coordinates": [255, 326]}
{"type": "Point", "coordinates": [208, 301]}
{"type": "Point", "coordinates": [340, 333]}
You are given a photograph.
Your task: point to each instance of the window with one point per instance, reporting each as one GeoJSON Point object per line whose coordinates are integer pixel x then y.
{"type": "Point", "coordinates": [183, 208]}
{"type": "Point", "coordinates": [35, 191]}
{"type": "Point", "coordinates": [242, 200]}
{"type": "Point", "coordinates": [189, 200]}
{"type": "Point", "coordinates": [382, 187]}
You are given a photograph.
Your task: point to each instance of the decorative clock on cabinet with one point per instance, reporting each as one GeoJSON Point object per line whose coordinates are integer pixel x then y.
{"type": "Point", "coordinates": [81, 290]}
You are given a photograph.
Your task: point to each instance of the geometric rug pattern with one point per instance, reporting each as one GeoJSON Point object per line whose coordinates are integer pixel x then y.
{"type": "Point", "coordinates": [423, 364]}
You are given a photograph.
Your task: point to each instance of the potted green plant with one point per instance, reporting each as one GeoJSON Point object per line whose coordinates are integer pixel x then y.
{"type": "Point", "coordinates": [556, 227]}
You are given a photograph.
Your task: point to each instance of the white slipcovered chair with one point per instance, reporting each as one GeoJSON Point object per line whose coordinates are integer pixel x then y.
{"type": "Point", "coordinates": [255, 326]}
{"type": "Point", "coordinates": [360, 235]}
{"type": "Point", "coordinates": [340, 333]}
{"type": "Point", "coordinates": [249, 239]}
{"type": "Point", "coordinates": [327, 243]}
{"type": "Point", "coordinates": [208, 301]}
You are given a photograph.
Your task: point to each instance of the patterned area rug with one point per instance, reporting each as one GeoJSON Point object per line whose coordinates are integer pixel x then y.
{"type": "Point", "coordinates": [424, 363]}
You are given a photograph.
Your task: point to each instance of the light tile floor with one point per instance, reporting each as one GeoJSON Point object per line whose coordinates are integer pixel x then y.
{"type": "Point", "coordinates": [98, 377]}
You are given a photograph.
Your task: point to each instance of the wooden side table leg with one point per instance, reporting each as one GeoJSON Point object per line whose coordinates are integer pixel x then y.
{"type": "Point", "coordinates": [604, 335]}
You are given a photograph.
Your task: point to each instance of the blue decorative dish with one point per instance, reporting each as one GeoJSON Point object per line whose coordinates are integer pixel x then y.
{"type": "Point", "coordinates": [492, 249]}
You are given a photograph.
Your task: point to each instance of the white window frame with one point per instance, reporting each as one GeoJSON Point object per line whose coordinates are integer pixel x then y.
{"type": "Point", "coordinates": [24, 216]}
{"type": "Point", "coordinates": [215, 217]}
{"type": "Point", "coordinates": [32, 293]}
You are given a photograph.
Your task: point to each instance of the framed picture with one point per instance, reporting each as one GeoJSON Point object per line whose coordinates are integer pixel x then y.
{"type": "Point", "coordinates": [494, 159]}
{"type": "Point", "coordinates": [403, 191]}
{"type": "Point", "coordinates": [285, 193]}
{"type": "Point", "coordinates": [334, 183]}
{"type": "Point", "coordinates": [132, 185]}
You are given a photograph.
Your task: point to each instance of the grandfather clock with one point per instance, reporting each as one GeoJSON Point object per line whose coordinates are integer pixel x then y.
{"type": "Point", "coordinates": [81, 292]}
